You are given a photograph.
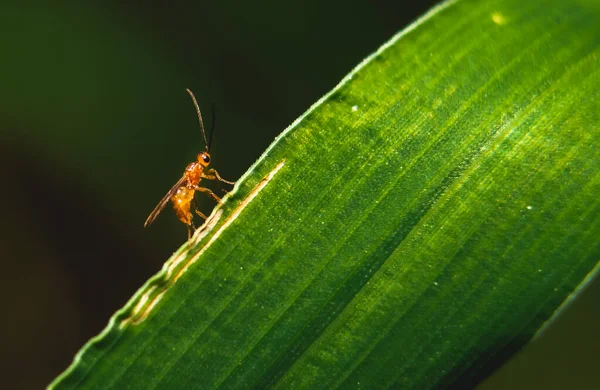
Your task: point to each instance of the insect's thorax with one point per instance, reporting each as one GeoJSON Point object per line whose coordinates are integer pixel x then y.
{"type": "Point", "coordinates": [194, 172]}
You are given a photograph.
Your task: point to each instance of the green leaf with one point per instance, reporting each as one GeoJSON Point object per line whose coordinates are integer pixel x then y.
{"type": "Point", "coordinates": [425, 218]}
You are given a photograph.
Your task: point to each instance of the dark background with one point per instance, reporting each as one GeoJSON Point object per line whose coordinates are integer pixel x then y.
{"type": "Point", "coordinates": [96, 126]}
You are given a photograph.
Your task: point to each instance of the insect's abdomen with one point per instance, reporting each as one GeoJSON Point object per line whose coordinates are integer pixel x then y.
{"type": "Point", "coordinates": [181, 203]}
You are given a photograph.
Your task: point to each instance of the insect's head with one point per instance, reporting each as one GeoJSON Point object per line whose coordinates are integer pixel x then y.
{"type": "Point", "coordinates": [204, 158]}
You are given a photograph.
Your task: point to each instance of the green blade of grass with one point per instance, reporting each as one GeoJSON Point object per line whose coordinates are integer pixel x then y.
{"type": "Point", "coordinates": [430, 213]}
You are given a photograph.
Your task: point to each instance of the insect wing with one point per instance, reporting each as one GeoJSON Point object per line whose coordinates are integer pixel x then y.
{"type": "Point", "coordinates": [163, 202]}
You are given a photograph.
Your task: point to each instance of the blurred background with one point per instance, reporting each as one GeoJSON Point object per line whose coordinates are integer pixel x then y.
{"type": "Point", "coordinates": [95, 127]}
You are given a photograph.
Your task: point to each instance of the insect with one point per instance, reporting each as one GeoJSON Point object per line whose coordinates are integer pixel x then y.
{"type": "Point", "coordinates": [182, 193]}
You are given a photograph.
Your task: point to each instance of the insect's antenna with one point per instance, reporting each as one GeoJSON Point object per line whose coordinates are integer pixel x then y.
{"type": "Point", "coordinates": [214, 124]}
{"type": "Point", "coordinates": [199, 117]}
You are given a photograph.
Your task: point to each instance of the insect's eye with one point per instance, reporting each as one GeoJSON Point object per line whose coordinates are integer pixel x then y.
{"type": "Point", "coordinates": [205, 158]}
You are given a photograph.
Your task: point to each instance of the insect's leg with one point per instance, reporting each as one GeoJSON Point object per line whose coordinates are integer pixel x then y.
{"type": "Point", "coordinates": [212, 174]}
{"type": "Point", "coordinates": [209, 193]}
{"type": "Point", "coordinates": [191, 227]}
{"type": "Point", "coordinates": [211, 177]}
{"type": "Point", "coordinates": [200, 213]}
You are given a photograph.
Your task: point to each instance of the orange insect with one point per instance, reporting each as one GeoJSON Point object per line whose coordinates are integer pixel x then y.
{"type": "Point", "coordinates": [182, 193]}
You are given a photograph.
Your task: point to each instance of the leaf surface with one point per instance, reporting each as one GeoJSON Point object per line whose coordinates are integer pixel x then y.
{"type": "Point", "coordinates": [428, 215]}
